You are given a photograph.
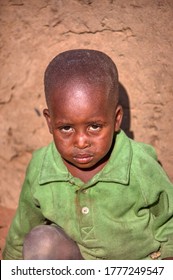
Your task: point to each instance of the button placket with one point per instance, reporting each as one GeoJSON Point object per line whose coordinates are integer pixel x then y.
{"type": "Point", "coordinates": [85, 215]}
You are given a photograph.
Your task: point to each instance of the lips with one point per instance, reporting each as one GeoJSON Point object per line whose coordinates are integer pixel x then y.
{"type": "Point", "coordinates": [83, 158]}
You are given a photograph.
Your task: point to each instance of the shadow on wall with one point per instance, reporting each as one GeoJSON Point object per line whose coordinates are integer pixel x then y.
{"type": "Point", "coordinates": [125, 103]}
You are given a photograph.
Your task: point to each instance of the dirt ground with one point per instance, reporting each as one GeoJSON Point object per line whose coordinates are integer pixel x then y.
{"type": "Point", "coordinates": [137, 34]}
{"type": "Point", "coordinates": [6, 215]}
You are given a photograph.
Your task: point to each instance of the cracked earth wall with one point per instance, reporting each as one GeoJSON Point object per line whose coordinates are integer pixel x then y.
{"type": "Point", "coordinates": [137, 34]}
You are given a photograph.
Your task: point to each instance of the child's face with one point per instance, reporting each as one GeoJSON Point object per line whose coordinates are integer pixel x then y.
{"type": "Point", "coordinates": [82, 121]}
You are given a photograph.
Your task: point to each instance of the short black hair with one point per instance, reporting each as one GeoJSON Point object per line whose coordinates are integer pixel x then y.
{"type": "Point", "coordinates": [94, 66]}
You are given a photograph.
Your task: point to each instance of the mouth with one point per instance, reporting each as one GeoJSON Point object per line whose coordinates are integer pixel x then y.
{"type": "Point", "coordinates": [83, 158]}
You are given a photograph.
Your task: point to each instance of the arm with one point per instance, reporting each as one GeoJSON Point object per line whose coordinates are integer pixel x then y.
{"type": "Point", "coordinates": [162, 210]}
{"type": "Point", "coordinates": [28, 215]}
{"type": "Point", "coordinates": [162, 213]}
{"type": "Point", "coordinates": [157, 192]}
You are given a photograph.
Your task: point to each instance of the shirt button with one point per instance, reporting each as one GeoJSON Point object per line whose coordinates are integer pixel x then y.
{"type": "Point", "coordinates": [85, 210]}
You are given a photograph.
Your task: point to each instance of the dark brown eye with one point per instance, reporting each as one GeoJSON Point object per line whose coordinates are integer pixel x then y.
{"type": "Point", "coordinates": [66, 129]}
{"type": "Point", "coordinates": [95, 127]}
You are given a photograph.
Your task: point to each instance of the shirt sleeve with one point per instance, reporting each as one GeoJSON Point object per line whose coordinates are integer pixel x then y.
{"type": "Point", "coordinates": [157, 191]}
{"type": "Point", "coordinates": [28, 215]}
{"type": "Point", "coordinates": [162, 212]}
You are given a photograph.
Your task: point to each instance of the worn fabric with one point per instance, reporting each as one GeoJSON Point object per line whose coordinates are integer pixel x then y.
{"type": "Point", "coordinates": [124, 212]}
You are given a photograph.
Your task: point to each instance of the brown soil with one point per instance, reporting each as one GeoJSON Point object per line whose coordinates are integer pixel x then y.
{"type": "Point", "coordinates": [138, 35]}
{"type": "Point", "coordinates": [6, 216]}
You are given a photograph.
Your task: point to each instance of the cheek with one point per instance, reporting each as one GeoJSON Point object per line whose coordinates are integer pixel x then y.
{"type": "Point", "coordinates": [104, 143]}
{"type": "Point", "coordinates": [62, 145]}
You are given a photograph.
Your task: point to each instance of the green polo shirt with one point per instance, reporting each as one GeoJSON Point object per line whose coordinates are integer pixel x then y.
{"type": "Point", "coordinates": [124, 212]}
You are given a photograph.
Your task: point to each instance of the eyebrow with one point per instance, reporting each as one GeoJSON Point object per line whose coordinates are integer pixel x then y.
{"type": "Point", "coordinates": [87, 122]}
{"type": "Point", "coordinates": [63, 123]}
{"type": "Point", "coordinates": [96, 121]}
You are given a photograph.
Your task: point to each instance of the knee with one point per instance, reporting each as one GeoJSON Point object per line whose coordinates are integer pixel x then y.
{"type": "Point", "coordinates": [38, 242]}
{"type": "Point", "coordinates": [49, 242]}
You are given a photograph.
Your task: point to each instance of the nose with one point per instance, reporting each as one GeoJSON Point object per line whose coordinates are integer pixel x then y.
{"type": "Point", "coordinates": [81, 141]}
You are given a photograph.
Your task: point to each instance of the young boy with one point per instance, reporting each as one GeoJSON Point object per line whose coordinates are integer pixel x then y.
{"type": "Point", "coordinates": [93, 193]}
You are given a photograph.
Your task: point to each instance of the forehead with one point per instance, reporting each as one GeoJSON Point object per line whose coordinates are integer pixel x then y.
{"type": "Point", "coordinates": [78, 89]}
{"type": "Point", "coordinates": [78, 97]}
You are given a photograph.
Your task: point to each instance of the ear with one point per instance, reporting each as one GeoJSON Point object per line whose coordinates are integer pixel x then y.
{"type": "Point", "coordinates": [118, 117]}
{"type": "Point", "coordinates": [48, 119]}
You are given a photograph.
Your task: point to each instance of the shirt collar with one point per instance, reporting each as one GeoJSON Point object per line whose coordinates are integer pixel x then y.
{"type": "Point", "coordinates": [117, 168]}
{"type": "Point", "coordinates": [53, 168]}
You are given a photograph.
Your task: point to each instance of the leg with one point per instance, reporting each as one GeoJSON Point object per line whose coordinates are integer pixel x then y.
{"type": "Point", "coordinates": [47, 242]}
